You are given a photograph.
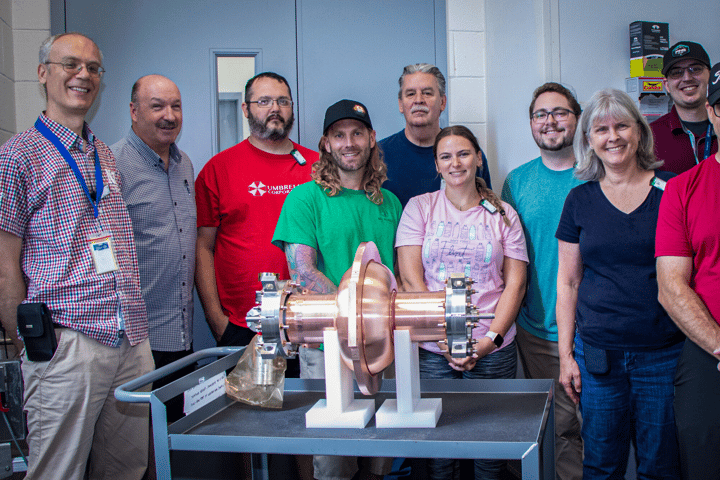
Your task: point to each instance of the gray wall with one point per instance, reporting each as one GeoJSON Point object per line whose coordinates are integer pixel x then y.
{"type": "Point", "coordinates": [593, 54]}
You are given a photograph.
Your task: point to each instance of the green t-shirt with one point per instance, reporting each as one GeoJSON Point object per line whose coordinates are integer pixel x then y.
{"type": "Point", "coordinates": [335, 226]}
{"type": "Point", "coordinates": [538, 195]}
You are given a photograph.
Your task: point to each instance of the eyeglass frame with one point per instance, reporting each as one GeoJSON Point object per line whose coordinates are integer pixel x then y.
{"type": "Point", "coordinates": [272, 102]}
{"type": "Point", "coordinates": [716, 109]}
{"type": "Point", "coordinates": [67, 67]}
{"type": "Point", "coordinates": [695, 70]}
{"type": "Point", "coordinates": [564, 112]}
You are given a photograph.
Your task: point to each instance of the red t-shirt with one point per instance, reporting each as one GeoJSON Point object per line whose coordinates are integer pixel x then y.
{"type": "Point", "coordinates": [689, 226]}
{"type": "Point", "coordinates": [241, 191]}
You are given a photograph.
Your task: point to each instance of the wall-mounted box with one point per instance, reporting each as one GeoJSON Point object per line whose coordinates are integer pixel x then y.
{"type": "Point", "coordinates": [650, 96]}
{"type": "Point", "coordinates": [648, 43]}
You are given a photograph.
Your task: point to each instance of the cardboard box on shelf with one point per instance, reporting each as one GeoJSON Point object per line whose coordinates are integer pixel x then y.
{"type": "Point", "coordinates": [648, 43]}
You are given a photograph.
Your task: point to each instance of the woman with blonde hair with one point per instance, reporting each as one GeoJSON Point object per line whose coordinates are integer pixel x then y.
{"type": "Point", "coordinates": [618, 347]}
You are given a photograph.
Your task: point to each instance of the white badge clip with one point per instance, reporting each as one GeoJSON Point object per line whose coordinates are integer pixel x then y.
{"type": "Point", "coordinates": [298, 157]}
{"type": "Point", "coordinates": [489, 206]}
{"type": "Point", "coordinates": [103, 252]}
{"type": "Point", "coordinates": [658, 183]}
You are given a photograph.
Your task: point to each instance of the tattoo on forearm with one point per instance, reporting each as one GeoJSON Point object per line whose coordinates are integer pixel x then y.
{"type": "Point", "coordinates": [302, 263]}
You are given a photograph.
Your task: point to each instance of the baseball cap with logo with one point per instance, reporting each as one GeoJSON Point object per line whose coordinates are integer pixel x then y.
{"type": "Point", "coordinates": [346, 109]}
{"type": "Point", "coordinates": [714, 85]}
{"type": "Point", "coordinates": [684, 51]}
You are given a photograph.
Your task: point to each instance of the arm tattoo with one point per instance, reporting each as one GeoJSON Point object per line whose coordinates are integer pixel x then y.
{"type": "Point", "coordinates": [302, 263]}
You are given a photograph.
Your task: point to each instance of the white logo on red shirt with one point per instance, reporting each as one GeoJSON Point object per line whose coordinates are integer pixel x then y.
{"type": "Point", "coordinates": [257, 189]}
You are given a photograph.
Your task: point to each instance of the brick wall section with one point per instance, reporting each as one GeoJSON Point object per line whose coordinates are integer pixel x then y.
{"type": "Point", "coordinates": [466, 67]}
{"type": "Point", "coordinates": [24, 24]}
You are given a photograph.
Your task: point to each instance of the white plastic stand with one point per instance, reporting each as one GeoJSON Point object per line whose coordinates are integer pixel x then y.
{"type": "Point", "coordinates": [340, 409]}
{"type": "Point", "coordinates": [409, 410]}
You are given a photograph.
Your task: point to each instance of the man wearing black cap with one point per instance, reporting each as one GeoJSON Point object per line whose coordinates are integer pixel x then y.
{"type": "Point", "coordinates": [322, 223]}
{"type": "Point", "coordinates": [688, 266]}
{"type": "Point", "coordinates": [684, 137]}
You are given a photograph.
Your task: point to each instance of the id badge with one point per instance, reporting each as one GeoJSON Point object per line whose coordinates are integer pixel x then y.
{"type": "Point", "coordinates": [103, 252]}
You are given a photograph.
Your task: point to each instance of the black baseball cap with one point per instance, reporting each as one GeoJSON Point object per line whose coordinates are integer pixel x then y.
{"type": "Point", "coordinates": [346, 109]}
{"type": "Point", "coordinates": [684, 51]}
{"type": "Point", "coordinates": [714, 85]}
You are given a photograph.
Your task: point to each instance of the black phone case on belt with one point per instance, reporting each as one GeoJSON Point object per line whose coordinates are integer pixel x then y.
{"type": "Point", "coordinates": [36, 327]}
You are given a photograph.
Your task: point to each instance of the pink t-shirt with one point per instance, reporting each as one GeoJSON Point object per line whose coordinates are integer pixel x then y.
{"type": "Point", "coordinates": [473, 242]}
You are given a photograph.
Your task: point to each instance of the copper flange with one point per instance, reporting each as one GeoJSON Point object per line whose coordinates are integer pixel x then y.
{"type": "Point", "coordinates": [365, 311]}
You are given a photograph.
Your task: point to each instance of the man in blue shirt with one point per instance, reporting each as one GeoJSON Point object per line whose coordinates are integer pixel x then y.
{"type": "Point", "coordinates": [537, 191]}
{"type": "Point", "coordinates": [409, 152]}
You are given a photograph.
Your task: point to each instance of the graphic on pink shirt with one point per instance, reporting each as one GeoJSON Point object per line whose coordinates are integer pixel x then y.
{"type": "Point", "coordinates": [473, 243]}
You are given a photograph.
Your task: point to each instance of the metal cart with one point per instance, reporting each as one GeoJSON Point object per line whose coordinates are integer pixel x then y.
{"type": "Point", "coordinates": [491, 419]}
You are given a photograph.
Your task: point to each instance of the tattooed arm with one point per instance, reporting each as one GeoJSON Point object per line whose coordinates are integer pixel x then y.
{"type": "Point", "coordinates": [302, 263]}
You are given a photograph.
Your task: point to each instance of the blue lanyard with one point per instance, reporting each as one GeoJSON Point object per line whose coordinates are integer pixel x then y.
{"type": "Point", "coordinates": [45, 131]}
{"type": "Point", "coordinates": [708, 141]}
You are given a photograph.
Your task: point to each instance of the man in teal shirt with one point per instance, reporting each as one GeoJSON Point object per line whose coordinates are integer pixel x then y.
{"type": "Point", "coordinates": [537, 191]}
{"type": "Point", "coordinates": [324, 221]}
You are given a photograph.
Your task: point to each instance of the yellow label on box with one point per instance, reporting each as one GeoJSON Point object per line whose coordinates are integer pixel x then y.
{"type": "Point", "coordinates": [652, 86]}
{"type": "Point", "coordinates": [648, 66]}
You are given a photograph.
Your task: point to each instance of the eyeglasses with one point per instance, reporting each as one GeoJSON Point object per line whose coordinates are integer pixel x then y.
{"type": "Point", "coordinates": [75, 68]}
{"type": "Point", "coordinates": [679, 72]}
{"type": "Point", "coordinates": [559, 114]}
{"type": "Point", "coordinates": [267, 102]}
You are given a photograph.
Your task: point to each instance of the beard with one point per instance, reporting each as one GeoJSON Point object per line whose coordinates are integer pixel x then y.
{"type": "Point", "coordinates": [260, 129]}
{"type": "Point", "coordinates": [550, 146]}
{"type": "Point", "coordinates": [342, 164]}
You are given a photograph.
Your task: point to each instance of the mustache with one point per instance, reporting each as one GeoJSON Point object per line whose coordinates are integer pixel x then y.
{"type": "Point", "coordinates": [274, 116]}
{"type": "Point", "coordinates": [419, 108]}
{"type": "Point", "coordinates": [343, 151]}
{"type": "Point", "coordinates": [166, 124]}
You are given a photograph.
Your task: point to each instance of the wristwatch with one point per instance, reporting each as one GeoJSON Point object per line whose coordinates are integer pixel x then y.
{"type": "Point", "coordinates": [496, 338]}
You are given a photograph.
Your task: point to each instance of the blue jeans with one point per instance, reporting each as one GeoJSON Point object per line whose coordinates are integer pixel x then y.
{"type": "Point", "coordinates": [633, 402]}
{"type": "Point", "coordinates": [501, 364]}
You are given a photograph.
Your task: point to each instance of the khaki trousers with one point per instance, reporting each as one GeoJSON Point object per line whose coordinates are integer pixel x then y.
{"type": "Point", "coordinates": [75, 424]}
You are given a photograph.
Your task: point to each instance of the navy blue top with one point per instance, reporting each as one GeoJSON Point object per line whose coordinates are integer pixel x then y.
{"type": "Point", "coordinates": [617, 304]}
{"type": "Point", "coordinates": [411, 169]}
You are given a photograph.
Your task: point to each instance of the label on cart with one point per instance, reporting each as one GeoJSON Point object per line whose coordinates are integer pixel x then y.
{"type": "Point", "coordinates": [208, 390]}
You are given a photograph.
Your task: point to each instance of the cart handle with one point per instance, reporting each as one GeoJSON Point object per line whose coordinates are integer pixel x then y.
{"type": "Point", "coordinates": [126, 393]}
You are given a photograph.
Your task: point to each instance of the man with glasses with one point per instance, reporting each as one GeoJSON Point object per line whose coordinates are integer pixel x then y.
{"type": "Point", "coordinates": [68, 254]}
{"type": "Point", "coordinates": [537, 191]}
{"type": "Point", "coordinates": [239, 195]}
{"type": "Point", "coordinates": [687, 247]}
{"type": "Point", "coordinates": [684, 137]}
{"type": "Point", "coordinates": [409, 153]}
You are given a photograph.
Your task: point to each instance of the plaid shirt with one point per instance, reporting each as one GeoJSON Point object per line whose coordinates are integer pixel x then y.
{"type": "Point", "coordinates": [162, 208]}
{"type": "Point", "coordinates": [42, 202]}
